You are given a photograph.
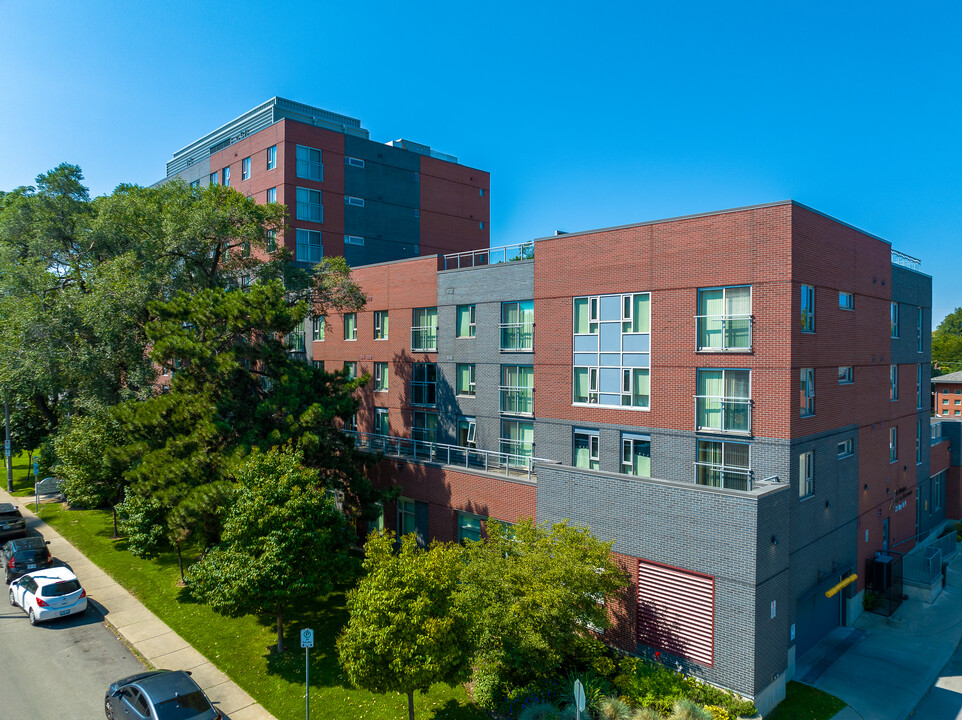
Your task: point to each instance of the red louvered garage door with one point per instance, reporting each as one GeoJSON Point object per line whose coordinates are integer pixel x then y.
{"type": "Point", "coordinates": [676, 611]}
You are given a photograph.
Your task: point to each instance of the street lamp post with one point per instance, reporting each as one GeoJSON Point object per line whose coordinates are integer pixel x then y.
{"type": "Point", "coordinates": [6, 444]}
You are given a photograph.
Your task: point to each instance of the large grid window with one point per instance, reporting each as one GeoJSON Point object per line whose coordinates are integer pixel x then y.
{"type": "Point", "coordinates": [586, 449]}
{"type": "Point", "coordinates": [272, 157]}
{"type": "Point", "coordinates": [309, 163]}
{"type": "Point", "coordinates": [806, 474]}
{"type": "Point", "coordinates": [424, 329]}
{"type": "Point", "coordinates": [424, 384]}
{"type": "Point", "coordinates": [724, 400]}
{"type": "Point", "coordinates": [724, 321]}
{"type": "Point", "coordinates": [806, 398]}
{"type": "Point", "coordinates": [309, 205]}
{"type": "Point", "coordinates": [464, 379]}
{"type": "Point", "coordinates": [808, 308]}
{"type": "Point", "coordinates": [517, 389]}
{"type": "Point", "coordinates": [309, 248]}
{"type": "Point", "coordinates": [895, 319]}
{"type": "Point", "coordinates": [381, 377]}
{"type": "Point", "coordinates": [380, 325]}
{"type": "Point", "coordinates": [350, 326]}
{"type": "Point", "coordinates": [517, 325]}
{"type": "Point", "coordinates": [517, 440]}
{"type": "Point", "coordinates": [465, 325]}
{"type": "Point", "coordinates": [723, 465]}
{"type": "Point", "coordinates": [425, 428]}
{"type": "Point", "coordinates": [636, 454]}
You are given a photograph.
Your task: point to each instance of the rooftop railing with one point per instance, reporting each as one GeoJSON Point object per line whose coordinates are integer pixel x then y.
{"type": "Point", "coordinates": [500, 463]}
{"type": "Point", "coordinates": [489, 256]}
{"type": "Point", "coordinates": [908, 261]}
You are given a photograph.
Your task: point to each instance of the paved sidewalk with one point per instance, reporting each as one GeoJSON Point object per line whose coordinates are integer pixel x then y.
{"type": "Point", "coordinates": [144, 631]}
{"type": "Point", "coordinates": [884, 668]}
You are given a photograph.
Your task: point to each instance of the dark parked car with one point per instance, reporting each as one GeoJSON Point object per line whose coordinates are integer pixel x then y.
{"type": "Point", "coordinates": [158, 695]}
{"type": "Point", "coordinates": [12, 523]}
{"type": "Point", "coordinates": [23, 556]}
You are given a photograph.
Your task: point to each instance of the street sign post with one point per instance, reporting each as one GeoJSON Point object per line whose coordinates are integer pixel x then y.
{"type": "Point", "coordinates": [579, 699]}
{"type": "Point", "coordinates": [307, 642]}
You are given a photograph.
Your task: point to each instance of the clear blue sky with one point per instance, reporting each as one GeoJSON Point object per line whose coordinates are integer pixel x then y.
{"type": "Point", "coordinates": [586, 114]}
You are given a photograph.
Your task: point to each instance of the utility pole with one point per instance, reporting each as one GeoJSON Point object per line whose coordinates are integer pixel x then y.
{"type": "Point", "coordinates": [6, 444]}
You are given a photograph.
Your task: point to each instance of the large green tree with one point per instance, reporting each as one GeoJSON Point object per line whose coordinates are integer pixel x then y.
{"type": "Point", "coordinates": [532, 594]}
{"type": "Point", "coordinates": [284, 542]}
{"type": "Point", "coordinates": [403, 634]}
{"type": "Point", "coordinates": [947, 343]}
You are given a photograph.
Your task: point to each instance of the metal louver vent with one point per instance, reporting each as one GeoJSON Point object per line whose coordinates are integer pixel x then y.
{"type": "Point", "coordinates": [676, 612]}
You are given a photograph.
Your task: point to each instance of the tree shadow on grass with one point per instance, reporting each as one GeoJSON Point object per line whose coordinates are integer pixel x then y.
{"type": "Point", "coordinates": [453, 710]}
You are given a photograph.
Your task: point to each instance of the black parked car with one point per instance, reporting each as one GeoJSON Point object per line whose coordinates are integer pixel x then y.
{"type": "Point", "coordinates": [158, 695]}
{"type": "Point", "coordinates": [12, 523]}
{"type": "Point", "coordinates": [23, 556]}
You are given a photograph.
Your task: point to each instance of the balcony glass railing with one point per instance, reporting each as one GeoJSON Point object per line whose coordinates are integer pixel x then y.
{"type": "Point", "coordinates": [491, 256]}
{"type": "Point", "coordinates": [517, 400]}
{"type": "Point", "coordinates": [514, 459]}
{"type": "Point", "coordinates": [724, 333]}
{"type": "Point", "coordinates": [517, 336]}
{"type": "Point", "coordinates": [723, 414]}
{"type": "Point", "coordinates": [720, 476]}
{"type": "Point", "coordinates": [424, 338]}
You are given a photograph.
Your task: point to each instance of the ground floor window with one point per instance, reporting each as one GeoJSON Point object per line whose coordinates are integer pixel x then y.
{"type": "Point", "coordinates": [469, 527]}
{"type": "Point", "coordinates": [636, 455]}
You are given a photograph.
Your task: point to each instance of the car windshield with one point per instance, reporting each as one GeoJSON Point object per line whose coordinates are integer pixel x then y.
{"type": "Point", "coordinates": [61, 588]}
{"type": "Point", "coordinates": [183, 706]}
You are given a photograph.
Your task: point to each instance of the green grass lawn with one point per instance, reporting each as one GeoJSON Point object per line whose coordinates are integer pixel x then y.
{"type": "Point", "coordinates": [23, 481]}
{"type": "Point", "coordinates": [803, 702]}
{"type": "Point", "coordinates": [242, 647]}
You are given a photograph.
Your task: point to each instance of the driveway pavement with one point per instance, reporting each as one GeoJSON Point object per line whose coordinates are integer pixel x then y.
{"type": "Point", "coordinates": [144, 631]}
{"type": "Point", "coordinates": [884, 667]}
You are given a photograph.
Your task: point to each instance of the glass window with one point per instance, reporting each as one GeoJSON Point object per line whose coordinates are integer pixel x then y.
{"type": "Point", "coordinates": [309, 205]}
{"type": "Point", "coordinates": [808, 308]}
{"type": "Point", "coordinates": [225, 177]}
{"type": "Point", "coordinates": [918, 387]}
{"type": "Point", "coordinates": [586, 449]}
{"type": "Point", "coordinates": [317, 327]}
{"type": "Point", "coordinates": [425, 428]}
{"type": "Point", "coordinates": [469, 527]}
{"type": "Point", "coordinates": [465, 322]}
{"type": "Point", "coordinates": [807, 392]}
{"type": "Point", "coordinates": [725, 318]}
{"type": "Point", "coordinates": [319, 364]}
{"type": "Point", "coordinates": [517, 441]}
{"type": "Point", "coordinates": [309, 163]}
{"type": "Point", "coordinates": [353, 161]}
{"type": "Point", "coordinates": [467, 432]}
{"type": "Point", "coordinates": [517, 325]}
{"type": "Point", "coordinates": [636, 455]}
{"type": "Point", "coordinates": [381, 375]}
{"type": "Point", "coordinates": [272, 240]}
{"type": "Point", "coordinates": [272, 195]}
{"type": "Point", "coordinates": [381, 422]}
{"type": "Point", "coordinates": [723, 464]}
{"type": "Point", "coordinates": [846, 301]}
{"type": "Point", "coordinates": [846, 375]}
{"type": "Point", "coordinates": [893, 382]}
{"type": "Point", "coordinates": [635, 313]}
{"type": "Point", "coordinates": [586, 316]}
{"type": "Point", "coordinates": [424, 384]}
{"type": "Point", "coordinates": [309, 247]}
{"type": "Point", "coordinates": [350, 326]}
{"type": "Point", "coordinates": [350, 367]}
{"type": "Point", "coordinates": [635, 387]}
{"type": "Point", "coordinates": [246, 169]}
{"type": "Point", "coordinates": [272, 157]}
{"type": "Point", "coordinates": [806, 474]}
{"type": "Point", "coordinates": [517, 389]}
{"type": "Point", "coordinates": [918, 442]}
{"type": "Point", "coordinates": [845, 448]}
{"type": "Point", "coordinates": [295, 339]}
{"type": "Point", "coordinates": [464, 381]}
{"type": "Point", "coordinates": [405, 516]}
{"type": "Point", "coordinates": [380, 325]}
{"type": "Point", "coordinates": [938, 484]}
{"type": "Point", "coordinates": [895, 319]}
{"type": "Point", "coordinates": [348, 200]}
{"type": "Point", "coordinates": [893, 444]}
{"type": "Point", "coordinates": [424, 329]}
{"type": "Point", "coordinates": [724, 401]}
{"type": "Point", "coordinates": [353, 240]}
{"type": "Point", "coordinates": [212, 179]}
{"type": "Point", "coordinates": [586, 385]}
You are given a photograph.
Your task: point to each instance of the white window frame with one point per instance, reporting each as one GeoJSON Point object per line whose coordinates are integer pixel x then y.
{"type": "Point", "coordinates": [725, 319]}
{"type": "Point", "coordinates": [378, 414]}
{"type": "Point", "coordinates": [246, 168]}
{"type": "Point", "coordinates": [846, 374]}
{"type": "Point", "coordinates": [353, 240]}
{"type": "Point", "coordinates": [426, 333]}
{"type": "Point", "coordinates": [594, 447]}
{"type": "Point", "coordinates": [310, 205]}
{"type": "Point", "coordinates": [806, 474]}
{"type": "Point", "coordinates": [808, 309]}
{"type": "Point", "coordinates": [722, 468]}
{"type": "Point", "coordinates": [628, 441]}
{"type": "Point", "coordinates": [846, 448]}
{"type": "Point", "coordinates": [806, 393]}
{"type": "Point", "coordinates": [520, 391]}
{"type": "Point", "coordinates": [313, 169]}
{"type": "Point", "coordinates": [351, 200]}
{"type": "Point", "coordinates": [350, 335]}
{"type": "Point", "coordinates": [724, 401]}
{"type": "Point", "coordinates": [307, 250]}
{"type": "Point", "coordinates": [593, 313]}
{"type": "Point", "coordinates": [846, 300]}
{"type": "Point", "coordinates": [317, 328]}
{"type": "Point", "coordinates": [272, 157]}
{"type": "Point", "coordinates": [382, 375]}
{"type": "Point", "coordinates": [382, 326]}
{"type": "Point", "coordinates": [471, 431]}
{"type": "Point", "coordinates": [272, 195]}
{"type": "Point", "coordinates": [351, 367]}
{"type": "Point", "coordinates": [592, 385]}
{"type": "Point", "coordinates": [471, 390]}
{"type": "Point", "coordinates": [628, 388]}
{"type": "Point", "coordinates": [472, 324]}
{"type": "Point", "coordinates": [353, 161]}
{"type": "Point", "coordinates": [225, 176]}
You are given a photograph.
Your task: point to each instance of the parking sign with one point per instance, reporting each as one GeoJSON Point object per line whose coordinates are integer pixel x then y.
{"type": "Point", "coordinates": [307, 638]}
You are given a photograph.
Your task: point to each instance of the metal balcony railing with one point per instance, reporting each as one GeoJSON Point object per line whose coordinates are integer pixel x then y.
{"type": "Point", "coordinates": [723, 477]}
{"type": "Point", "coordinates": [424, 338]}
{"type": "Point", "coordinates": [517, 336]}
{"type": "Point", "coordinates": [724, 332]}
{"type": "Point", "coordinates": [517, 400]}
{"type": "Point", "coordinates": [490, 256]}
{"type": "Point", "coordinates": [912, 263]}
{"type": "Point", "coordinates": [501, 463]}
{"type": "Point", "coordinates": [723, 414]}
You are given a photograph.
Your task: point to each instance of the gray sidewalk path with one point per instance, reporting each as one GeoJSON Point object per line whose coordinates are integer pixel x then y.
{"type": "Point", "coordinates": [890, 666]}
{"type": "Point", "coordinates": [144, 631]}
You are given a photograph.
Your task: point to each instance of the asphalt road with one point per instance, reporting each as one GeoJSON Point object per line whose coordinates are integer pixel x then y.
{"type": "Point", "coordinates": [57, 670]}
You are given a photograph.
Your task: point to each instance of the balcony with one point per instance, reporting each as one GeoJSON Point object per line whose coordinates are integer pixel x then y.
{"type": "Point", "coordinates": [424, 338]}
{"type": "Point", "coordinates": [724, 333]}
{"type": "Point", "coordinates": [510, 463]}
{"type": "Point", "coordinates": [491, 256]}
{"type": "Point", "coordinates": [907, 261]}
{"type": "Point", "coordinates": [723, 414]}
{"type": "Point", "coordinates": [517, 336]}
{"type": "Point", "coordinates": [517, 400]}
{"type": "Point", "coordinates": [720, 476]}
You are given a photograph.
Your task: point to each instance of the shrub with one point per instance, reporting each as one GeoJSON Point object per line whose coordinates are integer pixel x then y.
{"type": "Point", "coordinates": [646, 714]}
{"type": "Point", "coordinates": [725, 699]}
{"type": "Point", "coordinates": [597, 687]}
{"type": "Point", "coordinates": [685, 709]}
{"type": "Point", "coordinates": [539, 711]}
{"type": "Point", "coordinates": [652, 685]}
{"type": "Point", "coordinates": [611, 708]}
{"type": "Point", "coordinates": [718, 713]}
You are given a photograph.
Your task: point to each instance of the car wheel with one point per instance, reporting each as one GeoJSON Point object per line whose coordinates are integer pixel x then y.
{"type": "Point", "coordinates": [12, 601]}
{"type": "Point", "coordinates": [33, 618]}
{"type": "Point", "coordinates": [109, 710]}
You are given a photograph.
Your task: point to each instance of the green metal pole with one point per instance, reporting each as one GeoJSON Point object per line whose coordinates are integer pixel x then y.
{"type": "Point", "coordinates": [307, 682]}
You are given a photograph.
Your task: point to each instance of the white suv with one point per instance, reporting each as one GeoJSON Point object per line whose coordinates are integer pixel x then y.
{"type": "Point", "coordinates": [47, 594]}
